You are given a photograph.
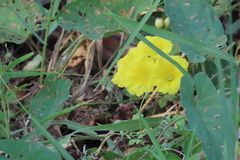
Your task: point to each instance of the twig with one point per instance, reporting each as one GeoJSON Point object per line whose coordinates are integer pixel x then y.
{"type": "Point", "coordinates": [148, 100]}
{"type": "Point", "coordinates": [167, 112]}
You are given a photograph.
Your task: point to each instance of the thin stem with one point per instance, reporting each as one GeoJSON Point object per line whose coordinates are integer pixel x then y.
{"type": "Point", "coordinates": [34, 45]}
{"type": "Point", "coordinates": [45, 43]}
{"type": "Point", "coordinates": [234, 112]}
{"type": "Point", "coordinates": [66, 41]}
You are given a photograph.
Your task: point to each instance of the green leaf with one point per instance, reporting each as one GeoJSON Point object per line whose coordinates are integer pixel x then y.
{"type": "Point", "coordinates": [87, 16]}
{"type": "Point", "coordinates": [205, 116]}
{"type": "Point", "coordinates": [109, 155]}
{"type": "Point", "coordinates": [7, 75]}
{"type": "Point", "coordinates": [187, 19]}
{"type": "Point", "coordinates": [27, 150]}
{"type": "Point", "coordinates": [13, 26]}
{"type": "Point", "coordinates": [129, 125]}
{"type": "Point", "coordinates": [138, 154]}
{"type": "Point", "coordinates": [195, 157]}
{"type": "Point", "coordinates": [3, 133]}
{"type": "Point", "coordinates": [233, 28]}
{"type": "Point", "coordinates": [188, 146]}
{"type": "Point", "coordinates": [49, 100]}
{"type": "Point", "coordinates": [76, 126]}
{"type": "Point", "coordinates": [172, 156]}
{"type": "Point", "coordinates": [2, 157]}
{"type": "Point", "coordinates": [19, 60]}
{"type": "Point", "coordinates": [221, 6]}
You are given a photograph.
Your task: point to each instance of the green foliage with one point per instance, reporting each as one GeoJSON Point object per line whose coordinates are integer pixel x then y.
{"type": "Point", "coordinates": [221, 6]}
{"type": "Point", "coordinates": [27, 150]}
{"type": "Point", "coordinates": [12, 64]}
{"type": "Point", "coordinates": [49, 100]}
{"type": "Point", "coordinates": [21, 20]}
{"type": "Point", "coordinates": [210, 130]}
{"type": "Point", "coordinates": [187, 19]}
{"type": "Point", "coordinates": [138, 154]}
{"type": "Point", "coordinates": [206, 115]}
{"type": "Point", "coordinates": [199, 47]}
{"type": "Point", "coordinates": [109, 155]}
{"type": "Point", "coordinates": [88, 16]}
{"type": "Point", "coordinates": [234, 27]}
{"type": "Point", "coordinates": [130, 125]}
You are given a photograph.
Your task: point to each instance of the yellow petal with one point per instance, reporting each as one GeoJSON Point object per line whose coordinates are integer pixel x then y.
{"type": "Point", "coordinates": [162, 44]}
{"type": "Point", "coordinates": [166, 76]}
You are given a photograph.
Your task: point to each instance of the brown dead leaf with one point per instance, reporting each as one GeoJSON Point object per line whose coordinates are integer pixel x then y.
{"type": "Point", "coordinates": [124, 112]}
{"type": "Point", "coordinates": [78, 57]}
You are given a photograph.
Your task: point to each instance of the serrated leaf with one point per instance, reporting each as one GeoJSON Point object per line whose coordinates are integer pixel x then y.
{"type": "Point", "coordinates": [49, 100]}
{"type": "Point", "coordinates": [12, 28]}
{"type": "Point", "coordinates": [205, 116]}
{"type": "Point", "coordinates": [87, 16]}
{"type": "Point", "coordinates": [27, 150]}
{"type": "Point", "coordinates": [195, 19]}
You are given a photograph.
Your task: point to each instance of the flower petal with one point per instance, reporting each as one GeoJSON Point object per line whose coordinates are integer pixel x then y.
{"type": "Point", "coordinates": [166, 76]}
{"type": "Point", "coordinates": [162, 44]}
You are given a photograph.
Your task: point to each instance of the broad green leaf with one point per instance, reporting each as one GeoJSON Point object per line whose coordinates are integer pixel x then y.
{"type": "Point", "coordinates": [49, 100]}
{"type": "Point", "coordinates": [206, 115]}
{"type": "Point", "coordinates": [22, 150]}
{"type": "Point", "coordinates": [2, 157]}
{"type": "Point", "coordinates": [197, 20]}
{"type": "Point", "coordinates": [13, 27]}
{"type": "Point", "coordinates": [87, 16]}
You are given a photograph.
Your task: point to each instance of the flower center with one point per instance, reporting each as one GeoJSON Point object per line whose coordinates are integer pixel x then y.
{"type": "Point", "coordinates": [169, 77]}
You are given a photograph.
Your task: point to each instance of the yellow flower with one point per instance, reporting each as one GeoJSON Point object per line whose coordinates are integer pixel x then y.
{"type": "Point", "coordinates": [134, 72]}
{"type": "Point", "coordinates": [142, 69]}
{"type": "Point", "coordinates": [166, 76]}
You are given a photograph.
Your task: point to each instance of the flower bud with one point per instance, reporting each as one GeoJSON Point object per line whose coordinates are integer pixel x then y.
{"type": "Point", "coordinates": [167, 23]}
{"type": "Point", "coordinates": [159, 23]}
